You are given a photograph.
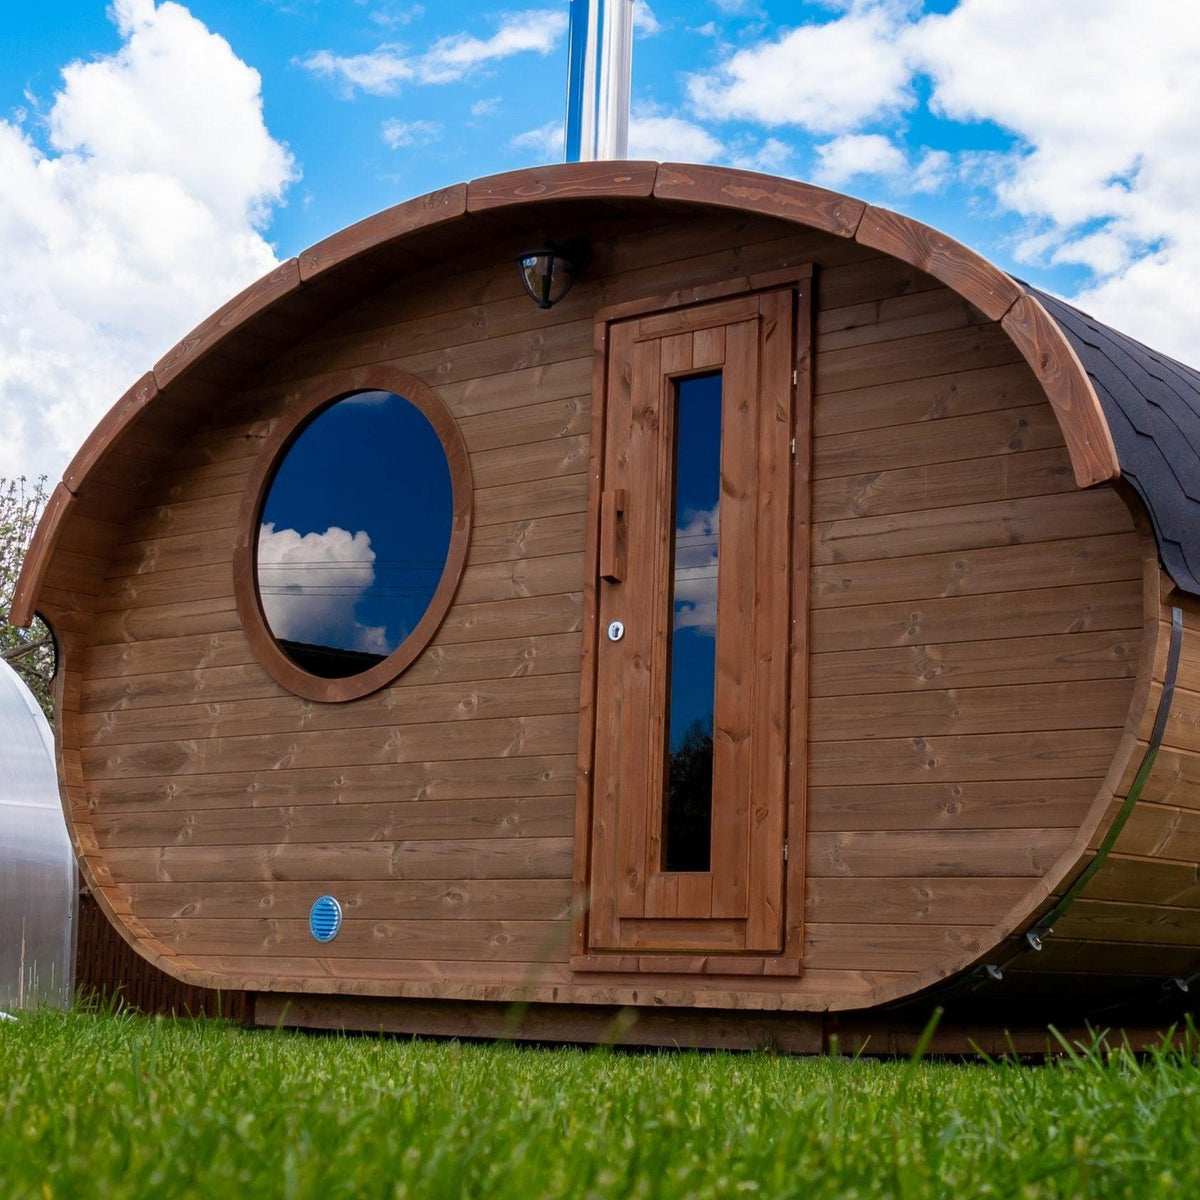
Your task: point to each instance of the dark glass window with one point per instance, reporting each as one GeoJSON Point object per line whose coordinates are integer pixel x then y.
{"type": "Point", "coordinates": [692, 685]}
{"type": "Point", "coordinates": [354, 534]}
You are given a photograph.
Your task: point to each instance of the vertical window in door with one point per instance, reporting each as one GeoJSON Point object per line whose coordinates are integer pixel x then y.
{"type": "Point", "coordinates": [687, 836]}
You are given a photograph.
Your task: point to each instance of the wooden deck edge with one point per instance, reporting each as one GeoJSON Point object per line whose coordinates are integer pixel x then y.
{"type": "Point", "coordinates": [688, 1029]}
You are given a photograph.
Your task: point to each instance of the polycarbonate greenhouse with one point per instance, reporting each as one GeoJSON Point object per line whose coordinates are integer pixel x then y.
{"type": "Point", "coordinates": [38, 879]}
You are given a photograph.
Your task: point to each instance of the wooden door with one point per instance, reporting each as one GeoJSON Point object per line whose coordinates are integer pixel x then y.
{"type": "Point", "coordinates": [694, 686]}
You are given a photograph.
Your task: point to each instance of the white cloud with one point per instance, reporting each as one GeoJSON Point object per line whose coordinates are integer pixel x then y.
{"type": "Point", "coordinates": [142, 213]}
{"type": "Point", "coordinates": [410, 133]}
{"type": "Point", "coordinates": [1101, 107]}
{"type": "Point", "coordinates": [448, 60]}
{"type": "Point", "coordinates": [380, 73]}
{"type": "Point", "coordinates": [829, 78]}
{"type": "Point", "coordinates": [451, 58]}
{"type": "Point", "coordinates": [486, 108]}
{"type": "Point", "coordinates": [855, 154]}
{"type": "Point", "coordinates": [665, 138]}
{"type": "Point", "coordinates": [645, 23]}
{"type": "Point", "coordinates": [651, 136]}
{"type": "Point", "coordinates": [671, 139]}
{"type": "Point", "coordinates": [546, 142]}
{"type": "Point", "coordinates": [311, 584]}
{"type": "Point", "coordinates": [933, 172]}
{"type": "Point", "coordinates": [696, 571]}
{"type": "Point", "coordinates": [391, 17]}
{"type": "Point", "coordinates": [1104, 103]}
{"type": "Point", "coordinates": [772, 156]}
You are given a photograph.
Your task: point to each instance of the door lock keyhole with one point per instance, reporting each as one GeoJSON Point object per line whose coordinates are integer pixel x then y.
{"type": "Point", "coordinates": [616, 631]}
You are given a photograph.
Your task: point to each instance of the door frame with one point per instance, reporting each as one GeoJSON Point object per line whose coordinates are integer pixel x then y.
{"type": "Point", "coordinates": [788, 962]}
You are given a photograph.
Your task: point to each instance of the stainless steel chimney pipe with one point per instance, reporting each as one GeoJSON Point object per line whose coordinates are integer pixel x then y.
{"type": "Point", "coordinates": [598, 79]}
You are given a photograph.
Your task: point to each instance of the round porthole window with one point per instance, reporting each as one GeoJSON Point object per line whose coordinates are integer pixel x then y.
{"type": "Point", "coordinates": [357, 538]}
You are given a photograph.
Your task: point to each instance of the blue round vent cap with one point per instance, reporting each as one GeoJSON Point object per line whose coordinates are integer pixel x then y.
{"type": "Point", "coordinates": [325, 918]}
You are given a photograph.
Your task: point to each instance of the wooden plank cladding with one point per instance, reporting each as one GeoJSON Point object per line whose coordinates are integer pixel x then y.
{"type": "Point", "coordinates": [934, 679]}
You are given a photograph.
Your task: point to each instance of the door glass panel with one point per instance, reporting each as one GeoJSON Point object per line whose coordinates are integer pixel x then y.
{"type": "Point", "coordinates": [691, 684]}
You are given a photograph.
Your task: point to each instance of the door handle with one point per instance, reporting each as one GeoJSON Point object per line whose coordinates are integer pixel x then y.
{"type": "Point", "coordinates": [613, 535]}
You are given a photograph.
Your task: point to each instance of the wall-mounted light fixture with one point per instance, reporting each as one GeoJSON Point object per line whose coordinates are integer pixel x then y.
{"type": "Point", "coordinates": [547, 273]}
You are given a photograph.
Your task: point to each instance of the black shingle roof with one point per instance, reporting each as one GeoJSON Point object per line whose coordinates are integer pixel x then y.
{"type": "Point", "coordinates": [1153, 408]}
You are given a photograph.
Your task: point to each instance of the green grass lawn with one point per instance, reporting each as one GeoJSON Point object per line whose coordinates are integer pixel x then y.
{"type": "Point", "coordinates": [99, 1106]}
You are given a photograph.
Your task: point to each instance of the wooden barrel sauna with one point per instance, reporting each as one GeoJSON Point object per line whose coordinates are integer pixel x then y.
{"type": "Point", "coordinates": [946, 582]}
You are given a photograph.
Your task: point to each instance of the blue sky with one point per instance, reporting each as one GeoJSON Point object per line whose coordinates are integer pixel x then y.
{"type": "Point", "coordinates": [156, 157]}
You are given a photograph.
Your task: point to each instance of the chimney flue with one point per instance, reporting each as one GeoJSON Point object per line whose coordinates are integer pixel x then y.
{"type": "Point", "coordinates": [598, 79]}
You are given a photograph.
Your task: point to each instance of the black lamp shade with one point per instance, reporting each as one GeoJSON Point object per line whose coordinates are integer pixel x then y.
{"type": "Point", "coordinates": [547, 275]}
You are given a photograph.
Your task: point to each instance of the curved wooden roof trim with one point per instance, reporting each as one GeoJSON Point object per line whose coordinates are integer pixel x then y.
{"type": "Point", "coordinates": [1070, 391]}
{"type": "Point", "coordinates": [563, 181]}
{"type": "Point", "coordinates": [970, 274]}
{"type": "Point", "coordinates": [447, 204]}
{"type": "Point", "coordinates": [992, 291]}
{"type": "Point", "coordinates": [109, 431]}
{"type": "Point", "coordinates": [248, 303]}
{"type": "Point", "coordinates": [770, 195]}
{"type": "Point", "coordinates": [38, 556]}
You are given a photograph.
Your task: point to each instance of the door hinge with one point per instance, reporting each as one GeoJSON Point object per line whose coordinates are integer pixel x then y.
{"type": "Point", "coordinates": [793, 447]}
{"type": "Point", "coordinates": [795, 378]}
{"type": "Point", "coordinates": [785, 850]}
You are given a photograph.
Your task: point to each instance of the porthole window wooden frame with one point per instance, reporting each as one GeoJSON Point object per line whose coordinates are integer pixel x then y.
{"type": "Point", "coordinates": [313, 399]}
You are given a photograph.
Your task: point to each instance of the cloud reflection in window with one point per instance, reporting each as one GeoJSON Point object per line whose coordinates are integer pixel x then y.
{"type": "Point", "coordinates": [354, 534]}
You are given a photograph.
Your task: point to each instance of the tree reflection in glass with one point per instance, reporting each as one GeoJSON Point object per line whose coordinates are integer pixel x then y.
{"type": "Point", "coordinates": [692, 681]}
{"type": "Point", "coordinates": [354, 534]}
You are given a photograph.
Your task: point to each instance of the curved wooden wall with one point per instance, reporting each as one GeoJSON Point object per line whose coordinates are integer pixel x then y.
{"type": "Point", "coordinates": [1131, 936]}
{"type": "Point", "coordinates": [977, 626]}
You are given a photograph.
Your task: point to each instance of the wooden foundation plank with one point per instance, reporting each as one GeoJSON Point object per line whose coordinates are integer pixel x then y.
{"type": "Point", "coordinates": [1110, 921]}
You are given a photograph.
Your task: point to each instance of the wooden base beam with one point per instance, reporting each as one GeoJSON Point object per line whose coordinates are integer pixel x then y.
{"type": "Point", "coordinates": [788, 1033]}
